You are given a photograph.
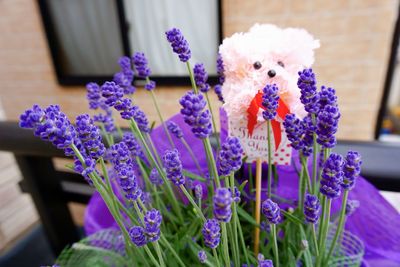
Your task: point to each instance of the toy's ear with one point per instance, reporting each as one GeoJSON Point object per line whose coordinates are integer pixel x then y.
{"type": "Point", "coordinates": [300, 45]}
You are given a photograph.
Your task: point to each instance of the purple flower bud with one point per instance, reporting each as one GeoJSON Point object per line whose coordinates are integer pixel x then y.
{"type": "Point", "coordinates": [137, 236]}
{"type": "Point", "coordinates": [194, 115]}
{"type": "Point", "coordinates": [294, 129]}
{"type": "Point", "coordinates": [155, 177]}
{"type": "Point", "coordinates": [107, 120]}
{"type": "Point", "coordinates": [152, 222]}
{"type": "Point", "coordinates": [125, 63]}
{"type": "Point", "coordinates": [141, 120]}
{"type": "Point", "coordinates": [351, 169]}
{"type": "Point", "coordinates": [327, 125]}
{"type": "Point", "coordinates": [332, 176]}
{"type": "Point", "coordinates": [307, 136]}
{"type": "Point", "coordinates": [311, 208]}
{"type": "Point", "coordinates": [173, 167]}
{"type": "Point", "coordinates": [222, 201]}
{"type": "Point", "coordinates": [202, 256]}
{"type": "Point", "coordinates": [132, 144]}
{"type": "Point", "coordinates": [93, 95]}
{"type": "Point", "coordinates": [271, 211]}
{"type": "Point", "coordinates": [218, 92]}
{"type": "Point", "coordinates": [179, 44]}
{"type": "Point", "coordinates": [265, 226]}
{"type": "Point", "coordinates": [201, 77]}
{"type": "Point", "coordinates": [124, 79]}
{"type": "Point", "coordinates": [230, 156]}
{"type": "Point", "coordinates": [129, 184]}
{"type": "Point", "coordinates": [327, 96]}
{"type": "Point", "coordinates": [262, 262]}
{"type": "Point", "coordinates": [198, 191]}
{"type": "Point", "coordinates": [308, 89]}
{"type": "Point", "coordinates": [174, 129]}
{"type": "Point", "coordinates": [220, 69]}
{"type": "Point", "coordinates": [235, 194]}
{"type": "Point", "coordinates": [141, 65]}
{"type": "Point", "coordinates": [150, 85]}
{"type": "Point", "coordinates": [212, 233]}
{"type": "Point", "coordinates": [112, 93]}
{"type": "Point", "coordinates": [89, 134]}
{"type": "Point", "coordinates": [270, 100]}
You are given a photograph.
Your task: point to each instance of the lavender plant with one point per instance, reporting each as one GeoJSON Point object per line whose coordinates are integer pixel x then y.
{"type": "Point", "coordinates": [165, 221]}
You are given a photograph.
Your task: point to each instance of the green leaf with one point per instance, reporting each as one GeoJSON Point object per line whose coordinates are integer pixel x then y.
{"type": "Point", "coordinates": [243, 185]}
{"type": "Point", "coordinates": [193, 176]}
{"type": "Point", "coordinates": [292, 218]}
{"type": "Point", "coordinates": [242, 213]}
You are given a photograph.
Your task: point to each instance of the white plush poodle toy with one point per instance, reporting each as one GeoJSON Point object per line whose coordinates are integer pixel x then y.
{"type": "Point", "coordinates": [266, 54]}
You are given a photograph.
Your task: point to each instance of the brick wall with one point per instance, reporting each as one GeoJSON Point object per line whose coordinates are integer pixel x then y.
{"type": "Point", "coordinates": [355, 37]}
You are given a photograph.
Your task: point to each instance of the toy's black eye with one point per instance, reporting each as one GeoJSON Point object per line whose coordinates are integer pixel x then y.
{"type": "Point", "coordinates": [257, 65]}
{"type": "Point", "coordinates": [280, 63]}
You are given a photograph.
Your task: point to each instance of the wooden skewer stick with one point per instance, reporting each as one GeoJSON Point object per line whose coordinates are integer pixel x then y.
{"type": "Point", "coordinates": [258, 206]}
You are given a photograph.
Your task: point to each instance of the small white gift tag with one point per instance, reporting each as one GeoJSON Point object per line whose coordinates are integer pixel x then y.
{"type": "Point", "coordinates": [256, 146]}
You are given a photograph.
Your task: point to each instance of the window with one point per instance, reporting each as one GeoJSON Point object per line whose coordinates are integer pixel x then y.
{"type": "Point", "coordinates": [86, 38]}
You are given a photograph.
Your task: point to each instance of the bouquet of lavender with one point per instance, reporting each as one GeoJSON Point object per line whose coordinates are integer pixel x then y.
{"type": "Point", "coordinates": [169, 216]}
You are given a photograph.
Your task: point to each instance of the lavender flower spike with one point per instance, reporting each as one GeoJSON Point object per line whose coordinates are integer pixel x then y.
{"type": "Point", "coordinates": [212, 233]}
{"type": "Point", "coordinates": [351, 169]}
{"type": "Point", "coordinates": [152, 222]}
{"type": "Point", "coordinates": [93, 95]}
{"type": "Point", "coordinates": [89, 134]}
{"type": "Point", "coordinates": [327, 96]}
{"type": "Point", "coordinates": [201, 77]}
{"type": "Point", "coordinates": [137, 236]}
{"type": "Point", "coordinates": [230, 156]}
{"type": "Point", "coordinates": [218, 92]}
{"type": "Point", "coordinates": [294, 131]}
{"type": "Point", "coordinates": [155, 177]}
{"type": "Point", "coordinates": [179, 44]}
{"type": "Point", "coordinates": [262, 262]}
{"type": "Point", "coordinates": [174, 129]}
{"type": "Point", "coordinates": [270, 101]}
{"type": "Point", "coordinates": [202, 256]}
{"type": "Point", "coordinates": [194, 115]}
{"type": "Point", "coordinates": [271, 211]}
{"type": "Point", "coordinates": [311, 208]}
{"type": "Point", "coordinates": [222, 204]}
{"type": "Point", "coordinates": [332, 176]}
{"type": "Point", "coordinates": [327, 125]}
{"type": "Point", "coordinates": [220, 69]}
{"type": "Point", "coordinates": [141, 120]}
{"type": "Point", "coordinates": [173, 167]}
{"type": "Point", "coordinates": [112, 92]}
{"type": "Point", "coordinates": [308, 89]}
{"type": "Point", "coordinates": [141, 65]}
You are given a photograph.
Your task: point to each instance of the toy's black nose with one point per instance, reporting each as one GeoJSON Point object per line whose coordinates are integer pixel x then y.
{"type": "Point", "coordinates": [271, 73]}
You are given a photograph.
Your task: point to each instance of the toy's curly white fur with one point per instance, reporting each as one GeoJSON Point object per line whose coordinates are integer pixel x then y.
{"type": "Point", "coordinates": [267, 44]}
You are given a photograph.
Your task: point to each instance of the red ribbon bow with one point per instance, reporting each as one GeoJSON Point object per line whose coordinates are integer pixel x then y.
{"type": "Point", "coordinates": [252, 112]}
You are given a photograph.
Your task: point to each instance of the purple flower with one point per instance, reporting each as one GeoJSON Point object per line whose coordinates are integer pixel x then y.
{"type": "Point", "coordinates": [136, 233]}
{"type": "Point", "coordinates": [351, 206]}
{"type": "Point", "coordinates": [89, 168]}
{"type": "Point", "coordinates": [307, 136]}
{"type": "Point", "coordinates": [125, 79]}
{"type": "Point", "coordinates": [125, 63]}
{"type": "Point", "coordinates": [174, 129]}
{"type": "Point", "coordinates": [327, 96]}
{"type": "Point", "coordinates": [201, 77]}
{"type": "Point", "coordinates": [112, 92]}
{"type": "Point", "coordinates": [150, 85]}
{"type": "Point", "coordinates": [230, 156]}
{"type": "Point", "coordinates": [236, 195]}
{"type": "Point", "coordinates": [141, 65]}
{"type": "Point", "coordinates": [155, 177]}
{"type": "Point", "coordinates": [179, 44]}
{"type": "Point", "coordinates": [50, 125]}
{"type": "Point", "coordinates": [132, 144]}
{"type": "Point", "coordinates": [129, 183]}
{"type": "Point", "coordinates": [218, 92]}
{"type": "Point", "coordinates": [308, 89]}
{"type": "Point", "coordinates": [332, 176]}
{"type": "Point", "coordinates": [93, 95]}
{"type": "Point", "coordinates": [262, 262]}
{"type": "Point", "coordinates": [173, 167]}
{"type": "Point", "coordinates": [198, 191]}
{"type": "Point", "coordinates": [271, 211]}
{"type": "Point", "coordinates": [202, 256]}
{"type": "Point", "coordinates": [294, 131]}
{"type": "Point", "coordinates": [265, 226]}
{"type": "Point", "coordinates": [212, 233]}
{"type": "Point", "coordinates": [141, 120]}
{"type": "Point", "coordinates": [89, 134]}
{"type": "Point", "coordinates": [351, 169]}
{"type": "Point", "coordinates": [107, 120]}
{"type": "Point", "coordinates": [120, 156]}
{"type": "Point", "coordinates": [311, 208]}
{"type": "Point", "coordinates": [194, 115]}
{"type": "Point", "coordinates": [270, 100]}
{"type": "Point", "coordinates": [152, 222]}
{"type": "Point", "coordinates": [327, 125]}
{"type": "Point", "coordinates": [220, 69]}
{"type": "Point", "coordinates": [222, 201]}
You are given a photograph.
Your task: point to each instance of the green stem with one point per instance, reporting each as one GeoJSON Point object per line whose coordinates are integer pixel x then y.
{"type": "Point", "coordinates": [325, 227]}
{"type": "Point", "coordinates": [165, 242]}
{"type": "Point", "coordinates": [307, 174]}
{"type": "Point", "coordinates": [121, 134]}
{"type": "Point", "coordinates": [315, 148]}
{"type": "Point", "coordinates": [275, 245]}
{"type": "Point", "coordinates": [340, 226]}
{"type": "Point", "coordinates": [210, 155]}
{"type": "Point", "coordinates": [191, 200]}
{"type": "Point", "coordinates": [225, 245]}
{"type": "Point", "coordinates": [302, 189]}
{"type": "Point", "coordinates": [242, 240]}
{"type": "Point", "coordinates": [150, 142]}
{"type": "Point", "coordinates": [196, 162]}
{"type": "Point", "coordinates": [213, 120]}
{"type": "Point", "coordinates": [159, 254]}
{"type": "Point", "coordinates": [216, 256]}
{"type": "Point", "coordinates": [234, 220]}
{"type": "Point", "coordinates": [161, 117]}
{"type": "Point", "coordinates": [106, 135]}
{"type": "Point", "coordinates": [269, 158]}
{"type": "Point", "coordinates": [315, 240]}
{"type": "Point", "coordinates": [194, 86]}
{"type": "Point", "coordinates": [146, 248]}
